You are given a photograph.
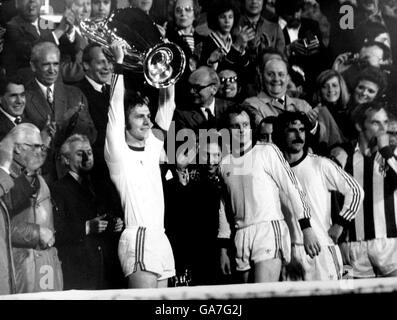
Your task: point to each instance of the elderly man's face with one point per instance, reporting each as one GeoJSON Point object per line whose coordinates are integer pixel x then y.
{"type": "Point", "coordinates": [30, 151]}
{"type": "Point", "coordinates": [98, 69]}
{"type": "Point", "coordinates": [46, 68]}
{"type": "Point", "coordinates": [80, 158]}
{"type": "Point", "coordinates": [13, 101]}
{"type": "Point", "coordinates": [203, 88]}
{"type": "Point", "coordinates": [29, 9]}
{"type": "Point", "coordinates": [275, 78]}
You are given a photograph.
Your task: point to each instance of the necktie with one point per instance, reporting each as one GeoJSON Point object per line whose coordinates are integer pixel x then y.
{"type": "Point", "coordinates": [87, 184]}
{"type": "Point", "coordinates": [18, 120]}
{"type": "Point", "coordinates": [105, 89]}
{"type": "Point", "coordinates": [50, 96]}
{"type": "Point", "coordinates": [210, 118]}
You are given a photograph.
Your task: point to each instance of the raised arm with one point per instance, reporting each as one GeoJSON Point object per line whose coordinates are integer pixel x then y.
{"type": "Point", "coordinates": [115, 131]}
{"type": "Point", "coordinates": [166, 107]}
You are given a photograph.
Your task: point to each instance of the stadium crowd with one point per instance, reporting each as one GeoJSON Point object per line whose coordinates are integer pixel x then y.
{"type": "Point", "coordinates": [272, 158]}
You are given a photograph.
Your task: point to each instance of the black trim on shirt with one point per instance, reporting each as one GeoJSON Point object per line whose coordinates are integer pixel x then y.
{"type": "Point", "coordinates": [139, 149]}
{"type": "Point", "coordinates": [293, 164]}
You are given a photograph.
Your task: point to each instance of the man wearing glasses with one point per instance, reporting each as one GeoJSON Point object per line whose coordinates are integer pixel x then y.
{"type": "Point", "coordinates": [206, 111]}
{"type": "Point", "coordinates": [37, 267]}
{"type": "Point", "coordinates": [229, 86]}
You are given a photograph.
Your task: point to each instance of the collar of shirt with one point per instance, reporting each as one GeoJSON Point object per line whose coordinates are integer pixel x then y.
{"type": "Point", "coordinates": [218, 39]}
{"type": "Point", "coordinates": [293, 34]}
{"type": "Point", "coordinates": [44, 88]}
{"type": "Point", "coordinates": [75, 176]}
{"type": "Point", "coordinates": [191, 33]}
{"type": "Point", "coordinates": [282, 23]}
{"type": "Point", "coordinates": [36, 25]}
{"type": "Point", "coordinates": [97, 86]}
{"type": "Point", "coordinates": [246, 21]}
{"type": "Point", "coordinates": [12, 118]}
{"type": "Point", "coordinates": [264, 96]}
{"type": "Point", "coordinates": [211, 107]}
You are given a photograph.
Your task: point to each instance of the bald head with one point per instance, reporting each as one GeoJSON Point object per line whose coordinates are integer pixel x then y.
{"type": "Point", "coordinates": [25, 132]}
{"type": "Point", "coordinates": [28, 151]}
{"type": "Point", "coordinates": [275, 77]}
{"type": "Point", "coordinates": [204, 84]}
{"type": "Point", "coordinates": [44, 62]}
{"type": "Point", "coordinates": [205, 74]}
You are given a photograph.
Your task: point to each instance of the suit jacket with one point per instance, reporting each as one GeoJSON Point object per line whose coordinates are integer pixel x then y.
{"type": "Point", "coordinates": [313, 64]}
{"type": "Point", "coordinates": [7, 272]}
{"type": "Point", "coordinates": [72, 58]}
{"type": "Point", "coordinates": [5, 125]}
{"type": "Point", "coordinates": [19, 39]}
{"type": "Point", "coordinates": [65, 112]}
{"type": "Point", "coordinates": [66, 100]}
{"type": "Point", "coordinates": [98, 106]}
{"type": "Point", "coordinates": [84, 257]}
{"type": "Point", "coordinates": [182, 87]}
{"type": "Point", "coordinates": [195, 119]}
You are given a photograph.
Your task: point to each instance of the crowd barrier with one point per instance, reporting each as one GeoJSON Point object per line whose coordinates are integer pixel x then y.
{"type": "Point", "coordinates": [225, 292]}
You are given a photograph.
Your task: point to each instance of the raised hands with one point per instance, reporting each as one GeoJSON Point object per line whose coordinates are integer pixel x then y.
{"type": "Point", "coordinates": [117, 48]}
{"type": "Point", "coordinates": [244, 35]}
{"type": "Point", "coordinates": [97, 225]}
{"type": "Point", "coordinates": [6, 152]}
{"type": "Point", "coordinates": [47, 237]}
{"type": "Point", "coordinates": [66, 25]}
{"type": "Point", "coordinates": [49, 131]}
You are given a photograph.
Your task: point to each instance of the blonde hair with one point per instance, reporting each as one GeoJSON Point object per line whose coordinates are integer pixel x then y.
{"type": "Point", "coordinates": [322, 78]}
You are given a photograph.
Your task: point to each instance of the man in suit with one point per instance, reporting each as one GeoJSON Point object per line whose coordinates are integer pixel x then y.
{"type": "Point", "coordinates": [72, 47]}
{"type": "Point", "coordinates": [48, 97]}
{"type": "Point", "coordinates": [12, 104]}
{"type": "Point", "coordinates": [37, 266]}
{"type": "Point", "coordinates": [303, 40]}
{"type": "Point", "coordinates": [7, 270]}
{"type": "Point", "coordinates": [207, 110]}
{"type": "Point", "coordinates": [26, 29]}
{"type": "Point", "coordinates": [87, 236]}
{"type": "Point", "coordinates": [274, 100]}
{"type": "Point", "coordinates": [95, 88]}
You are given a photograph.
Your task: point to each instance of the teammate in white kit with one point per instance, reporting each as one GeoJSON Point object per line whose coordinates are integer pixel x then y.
{"type": "Point", "coordinates": [318, 177]}
{"type": "Point", "coordinates": [256, 176]}
{"type": "Point", "coordinates": [132, 153]}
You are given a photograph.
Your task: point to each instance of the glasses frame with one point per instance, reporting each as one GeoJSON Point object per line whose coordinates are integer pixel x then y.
{"type": "Point", "coordinates": [187, 9]}
{"type": "Point", "coordinates": [228, 79]}
{"type": "Point", "coordinates": [198, 88]}
{"type": "Point", "coordinates": [33, 147]}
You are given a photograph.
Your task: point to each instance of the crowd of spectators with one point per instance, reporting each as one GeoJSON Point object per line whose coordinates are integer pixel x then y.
{"type": "Point", "coordinates": [272, 158]}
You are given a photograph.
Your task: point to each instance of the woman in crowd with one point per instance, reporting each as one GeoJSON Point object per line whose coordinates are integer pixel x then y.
{"type": "Point", "coordinates": [371, 84]}
{"type": "Point", "coordinates": [331, 94]}
{"type": "Point", "coordinates": [181, 31]}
